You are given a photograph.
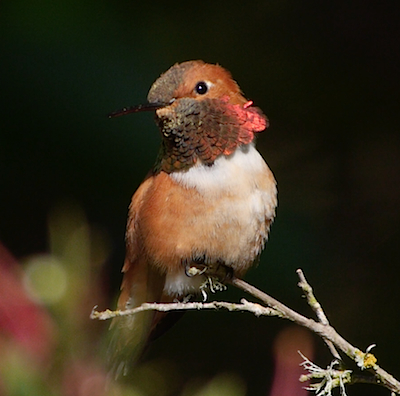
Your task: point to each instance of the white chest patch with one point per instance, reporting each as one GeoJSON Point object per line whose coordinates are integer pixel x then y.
{"type": "Point", "coordinates": [228, 174]}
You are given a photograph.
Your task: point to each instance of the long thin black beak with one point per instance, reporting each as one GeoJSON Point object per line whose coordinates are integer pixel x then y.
{"type": "Point", "coordinates": [136, 109]}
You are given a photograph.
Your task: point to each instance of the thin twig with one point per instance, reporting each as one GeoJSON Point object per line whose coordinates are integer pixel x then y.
{"type": "Point", "coordinates": [244, 305]}
{"type": "Point", "coordinates": [316, 307]}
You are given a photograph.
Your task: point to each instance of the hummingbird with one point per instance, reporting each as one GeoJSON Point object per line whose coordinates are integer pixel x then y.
{"type": "Point", "coordinates": [203, 212]}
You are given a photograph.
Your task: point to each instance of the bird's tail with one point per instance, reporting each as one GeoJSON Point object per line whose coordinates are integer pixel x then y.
{"type": "Point", "coordinates": [129, 334]}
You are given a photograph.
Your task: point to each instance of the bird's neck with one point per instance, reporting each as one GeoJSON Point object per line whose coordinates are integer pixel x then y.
{"type": "Point", "coordinates": [202, 131]}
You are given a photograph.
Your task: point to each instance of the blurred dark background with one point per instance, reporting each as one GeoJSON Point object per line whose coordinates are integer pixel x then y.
{"type": "Point", "coordinates": [327, 76]}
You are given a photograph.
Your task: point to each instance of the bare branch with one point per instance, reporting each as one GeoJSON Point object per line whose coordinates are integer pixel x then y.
{"type": "Point", "coordinates": [244, 305]}
{"type": "Point", "coordinates": [364, 360]}
{"type": "Point", "coordinates": [330, 378]}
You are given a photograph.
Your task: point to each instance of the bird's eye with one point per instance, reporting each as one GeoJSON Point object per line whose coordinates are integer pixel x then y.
{"type": "Point", "coordinates": [201, 88]}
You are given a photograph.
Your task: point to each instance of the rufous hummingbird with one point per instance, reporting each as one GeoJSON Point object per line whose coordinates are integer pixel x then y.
{"type": "Point", "coordinates": [204, 211]}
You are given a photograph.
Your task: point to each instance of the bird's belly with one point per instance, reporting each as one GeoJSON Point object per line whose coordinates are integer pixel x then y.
{"type": "Point", "coordinates": [230, 229]}
{"type": "Point", "coordinates": [222, 216]}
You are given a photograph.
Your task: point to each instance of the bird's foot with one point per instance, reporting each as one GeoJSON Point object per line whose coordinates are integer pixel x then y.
{"type": "Point", "coordinates": [215, 275]}
{"type": "Point", "coordinates": [212, 284]}
{"type": "Point", "coordinates": [195, 269]}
